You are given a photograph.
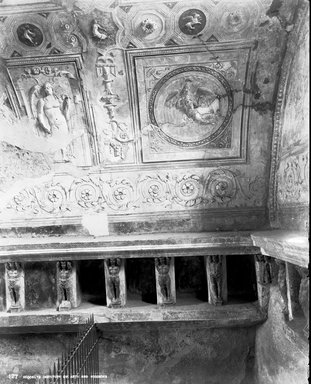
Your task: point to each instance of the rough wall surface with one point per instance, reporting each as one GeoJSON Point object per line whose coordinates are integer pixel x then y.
{"type": "Point", "coordinates": [29, 355]}
{"type": "Point", "coordinates": [281, 357]}
{"type": "Point", "coordinates": [177, 354]}
{"type": "Point", "coordinates": [290, 162]}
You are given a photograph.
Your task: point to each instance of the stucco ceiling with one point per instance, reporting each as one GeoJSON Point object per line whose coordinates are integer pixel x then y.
{"type": "Point", "coordinates": [124, 61]}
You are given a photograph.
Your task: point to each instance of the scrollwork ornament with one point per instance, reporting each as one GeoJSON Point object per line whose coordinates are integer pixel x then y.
{"type": "Point", "coordinates": [153, 189]}
{"type": "Point", "coordinates": [53, 198]}
{"type": "Point", "coordinates": [120, 194]}
{"type": "Point", "coordinates": [221, 186]}
{"type": "Point", "coordinates": [24, 201]}
{"type": "Point", "coordinates": [189, 191]}
{"type": "Point", "coordinates": [87, 194]}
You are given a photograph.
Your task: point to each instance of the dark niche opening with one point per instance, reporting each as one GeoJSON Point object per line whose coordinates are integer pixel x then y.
{"type": "Point", "coordinates": [190, 277]}
{"type": "Point", "coordinates": [92, 281]}
{"type": "Point", "coordinates": [40, 287]}
{"type": "Point", "coordinates": [241, 278]}
{"type": "Point", "coordinates": [140, 280]}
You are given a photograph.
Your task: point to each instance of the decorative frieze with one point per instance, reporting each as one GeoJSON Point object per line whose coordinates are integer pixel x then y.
{"type": "Point", "coordinates": [165, 280]}
{"type": "Point", "coordinates": [139, 192]}
{"type": "Point", "coordinates": [15, 287]}
{"type": "Point", "coordinates": [115, 282]}
{"type": "Point", "coordinates": [216, 271]}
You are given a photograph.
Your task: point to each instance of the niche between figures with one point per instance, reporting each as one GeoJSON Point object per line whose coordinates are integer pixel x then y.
{"type": "Point", "coordinates": [241, 279]}
{"type": "Point", "coordinates": [140, 281]}
{"type": "Point", "coordinates": [191, 284]}
{"type": "Point", "coordinates": [92, 281]}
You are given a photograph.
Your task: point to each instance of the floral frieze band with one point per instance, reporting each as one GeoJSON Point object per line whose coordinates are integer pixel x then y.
{"type": "Point", "coordinates": [133, 193]}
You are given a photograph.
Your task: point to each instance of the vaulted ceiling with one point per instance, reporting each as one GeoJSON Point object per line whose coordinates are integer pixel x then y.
{"type": "Point", "coordinates": [164, 112]}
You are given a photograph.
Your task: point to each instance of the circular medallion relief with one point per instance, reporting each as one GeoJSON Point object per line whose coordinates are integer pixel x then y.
{"type": "Point", "coordinates": [192, 21]}
{"type": "Point", "coordinates": [30, 35]}
{"type": "Point", "coordinates": [191, 106]}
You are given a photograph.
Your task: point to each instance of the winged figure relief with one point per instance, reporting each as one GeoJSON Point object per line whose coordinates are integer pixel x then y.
{"type": "Point", "coordinates": [199, 104]}
{"type": "Point", "coordinates": [51, 112]}
{"type": "Point", "coordinates": [192, 20]}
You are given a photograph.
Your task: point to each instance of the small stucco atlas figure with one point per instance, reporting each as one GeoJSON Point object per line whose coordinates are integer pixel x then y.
{"type": "Point", "coordinates": [13, 275]}
{"type": "Point", "coordinates": [64, 286]}
{"type": "Point", "coordinates": [215, 277]}
{"type": "Point", "coordinates": [114, 266]}
{"type": "Point", "coordinates": [163, 267]}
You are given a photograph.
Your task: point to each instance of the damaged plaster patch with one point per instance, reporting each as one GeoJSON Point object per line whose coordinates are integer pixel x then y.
{"type": "Point", "coordinates": [96, 224]}
{"type": "Point", "coordinates": [17, 164]}
{"type": "Point", "coordinates": [21, 134]}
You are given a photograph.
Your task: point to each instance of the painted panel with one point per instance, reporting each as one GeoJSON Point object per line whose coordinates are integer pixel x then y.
{"type": "Point", "coordinates": [189, 104]}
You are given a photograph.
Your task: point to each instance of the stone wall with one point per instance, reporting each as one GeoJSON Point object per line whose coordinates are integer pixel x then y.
{"type": "Point", "coordinates": [139, 354]}
{"type": "Point", "coordinates": [177, 354]}
{"type": "Point", "coordinates": [281, 355]}
{"type": "Point", "coordinates": [290, 159]}
{"type": "Point", "coordinates": [30, 355]}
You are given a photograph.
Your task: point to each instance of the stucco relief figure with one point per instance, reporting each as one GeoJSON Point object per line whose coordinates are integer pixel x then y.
{"type": "Point", "coordinates": [216, 277]}
{"type": "Point", "coordinates": [199, 104]}
{"type": "Point", "coordinates": [265, 275]}
{"type": "Point", "coordinates": [114, 266]}
{"type": "Point", "coordinates": [282, 284]}
{"type": "Point", "coordinates": [98, 30]}
{"type": "Point", "coordinates": [52, 114]}
{"type": "Point", "coordinates": [163, 267]}
{"type": "Point", "coordinates": [13, 271]}
{"type": "Point", "coordinates": [64, 287]}
{"type": "Point", "coordinates": [304, 295]}
{"type": "Point", "coordinates": [30, 35]}
{"type": "Point", "coordinates": [191, 21]}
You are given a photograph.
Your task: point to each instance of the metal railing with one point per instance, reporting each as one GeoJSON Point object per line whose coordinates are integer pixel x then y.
{"type": "Point", "coordinates": [80, 365]}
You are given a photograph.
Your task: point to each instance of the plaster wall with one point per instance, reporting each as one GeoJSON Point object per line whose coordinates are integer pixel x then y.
{"type": "Point", "coordinates": [290, 164]}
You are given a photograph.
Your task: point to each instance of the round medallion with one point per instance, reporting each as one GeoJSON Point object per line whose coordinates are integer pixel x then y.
{"type": "Point", "coordinates": [30, 35]}
{"type": "Point", "coordinates": [192, 22]}
{"type": "Point", "coordinates": [191, 106]}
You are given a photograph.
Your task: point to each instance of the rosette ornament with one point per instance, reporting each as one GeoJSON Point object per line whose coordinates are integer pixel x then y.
{"type": "Point", "coordinates": [221, 186]}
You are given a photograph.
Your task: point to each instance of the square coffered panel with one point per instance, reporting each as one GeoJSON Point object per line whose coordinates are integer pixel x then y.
{"type": "Point", "coordinates": [190, 103]}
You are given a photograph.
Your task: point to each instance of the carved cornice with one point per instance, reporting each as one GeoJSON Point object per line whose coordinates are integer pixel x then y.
{"type": "Point", "coordinates": [48, 6]}
{"type": "Point", "coordinates": [127, 246]}
{"type": "Point", "coordinates": [43, 60]}
{"type": "Point", "coordinates": [292, 247]}
{"type": "Point", "coordinates": [237, 315]}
